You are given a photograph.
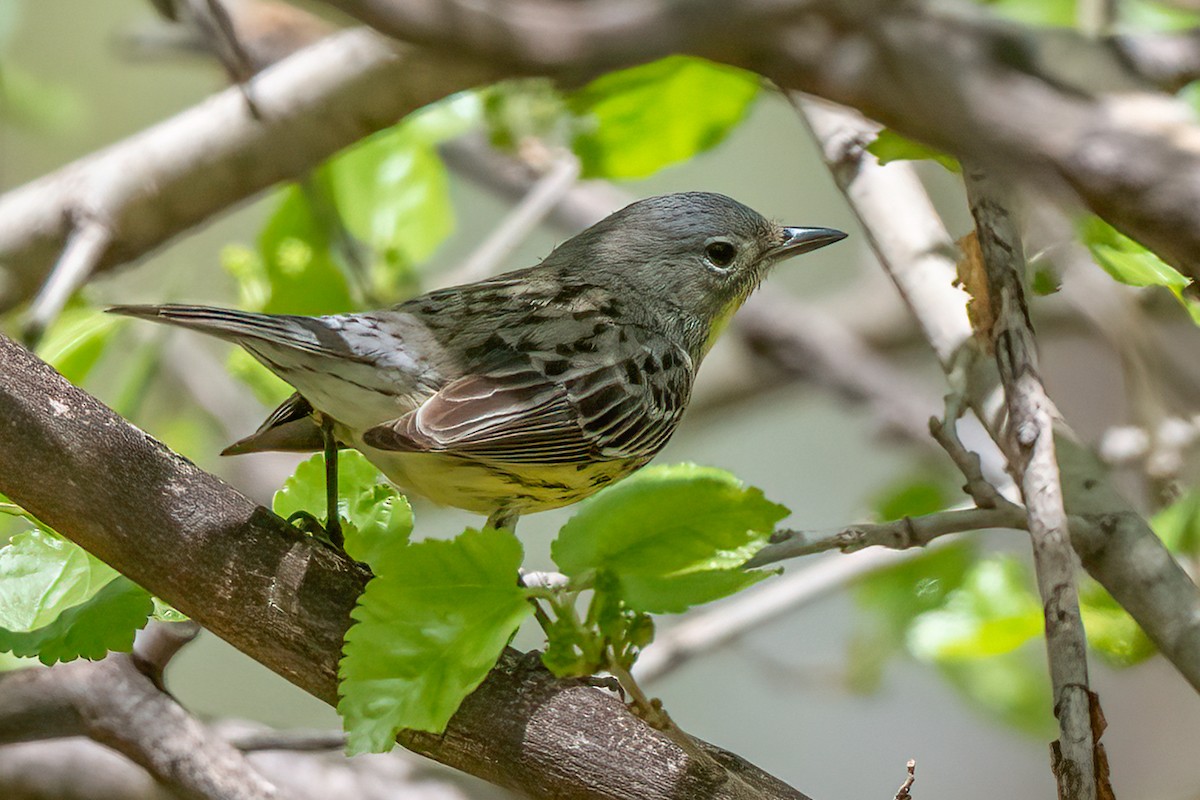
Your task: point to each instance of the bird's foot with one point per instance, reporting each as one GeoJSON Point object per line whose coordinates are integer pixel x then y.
{"type": "Point", "coordinates": [329, 534]}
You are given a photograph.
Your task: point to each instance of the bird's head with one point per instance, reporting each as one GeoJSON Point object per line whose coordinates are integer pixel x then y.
{"type": "Point", "coordinates": [695, 255]}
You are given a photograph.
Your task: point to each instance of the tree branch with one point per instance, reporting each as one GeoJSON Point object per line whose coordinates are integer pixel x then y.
{"type": "Point", "coordinates": [901, 534]}
{"type": "Point", "coordinates": [180, 173]}
{"type": "Point", "coordinates": [1031, 452]}
{"type": "Point", "coordinates": [116, 704]}
{"type": "Point", "coordinates": [1038, 108]}
{"type": "Point", "coordinates": [1116, 547]}
{"type": "Point", "coordinates": [248, 577]}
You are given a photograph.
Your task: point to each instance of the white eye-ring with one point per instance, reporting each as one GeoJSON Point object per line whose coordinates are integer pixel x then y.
{"type": "Point", "coordinates": [720, 253]}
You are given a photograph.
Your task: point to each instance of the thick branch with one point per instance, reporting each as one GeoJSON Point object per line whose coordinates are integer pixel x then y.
{"type": "Point", "coordinates": [245, 575]}
{"type": "Point", "coordinates": [178, 174]}
{"type": "Point", "coordinates": [118, 705]}
{"type": "Point", "coordinates": [998, 94]}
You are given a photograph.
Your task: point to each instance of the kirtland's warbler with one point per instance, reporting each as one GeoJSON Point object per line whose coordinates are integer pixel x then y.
{"type": "Point", "coordinates": [528, 391]}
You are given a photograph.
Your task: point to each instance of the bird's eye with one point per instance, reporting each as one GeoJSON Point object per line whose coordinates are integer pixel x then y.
{"type": "Point", "coordinates": [720, 254]}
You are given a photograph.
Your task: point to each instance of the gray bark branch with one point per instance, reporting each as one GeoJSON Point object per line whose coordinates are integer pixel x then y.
{"type": "Point", "coordinates": [1031, 453]}
{"type": "Point", "coordinates": [244, 574]}
{"type": "Point", "coordinates": [182, 172]}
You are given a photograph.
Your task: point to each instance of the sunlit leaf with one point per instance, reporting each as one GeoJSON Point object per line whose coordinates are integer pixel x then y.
{"type": "Point", "coordinates": [639, 120]}
{"type": "Point", "coordinates": [890, 146]}
{"type": "Point", "coordinates": [674, 536]}
{"type": "Point", "coordinates": [429, 627]}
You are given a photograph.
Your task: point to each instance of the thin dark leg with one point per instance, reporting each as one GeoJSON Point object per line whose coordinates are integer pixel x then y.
{"type": "Point", "coordinates": [333, 525]}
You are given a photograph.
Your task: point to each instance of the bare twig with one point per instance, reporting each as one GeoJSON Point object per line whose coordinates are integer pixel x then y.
{"type": "Point", "coordinates": [157, 643]}
{"type": "Point", "coordinates": [85, 247]}
{"type": "Point", "coordinates": [903, 793]}
{"type": "Point", "coordinates": [901, 534]}
{"type": "Point", "coordinates": [1031, 452]}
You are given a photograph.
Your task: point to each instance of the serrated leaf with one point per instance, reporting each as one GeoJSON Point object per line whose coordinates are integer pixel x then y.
{"type": "Point", "coordinates": [105, 622]}
{"type": "Point", "coordinates": [650, 116]}
{"type": "Point", "coordinates": [992, 612]}
{"type": "Point", "coordinates": [657, 594]}
{"type": "Point", "coordinates": [76, 340]}
{"type": "Point", "coordinates": [666, 532]}
{"type": "Point", "coordinates": [42, 575]}
{"type": "Point", "coordinates": [376, 520]}
{"type": "Point", "coordinates": [429, 627]}
{"type": "Point", "coordinates": [889, 146]}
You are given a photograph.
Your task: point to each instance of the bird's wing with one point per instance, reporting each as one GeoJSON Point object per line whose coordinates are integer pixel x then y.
{"type": "Point", "coordinates": [599, 412]}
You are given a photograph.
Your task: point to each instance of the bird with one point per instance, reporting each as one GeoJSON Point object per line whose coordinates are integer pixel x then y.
{"type": "Point", "coordinates": [527, 391]}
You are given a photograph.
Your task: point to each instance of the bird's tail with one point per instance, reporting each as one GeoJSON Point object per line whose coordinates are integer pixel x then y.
{"type": "Point", "coordinates": [308, 334]}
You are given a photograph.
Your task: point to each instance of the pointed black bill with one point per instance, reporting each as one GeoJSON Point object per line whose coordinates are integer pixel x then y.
{"type": "Point", "coordinates": [804, 240]}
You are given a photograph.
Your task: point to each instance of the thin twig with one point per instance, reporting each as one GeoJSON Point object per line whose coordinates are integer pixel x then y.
{"type": "Point", "coordinates": [903, 792]}
{"type": "Point", "coordinates": [85, 247]}
{"type": "Point", "coordinates": [1032, 455]}
{"type": "Point", "coordinates": [901, 534]}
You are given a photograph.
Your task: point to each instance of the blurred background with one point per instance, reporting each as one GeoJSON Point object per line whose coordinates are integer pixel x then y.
{"type": "Point", "coordinates": [932, 660]}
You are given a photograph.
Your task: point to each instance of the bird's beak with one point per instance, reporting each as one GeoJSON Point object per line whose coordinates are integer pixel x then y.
{"type": "Point", "coordinates": [803, 240]}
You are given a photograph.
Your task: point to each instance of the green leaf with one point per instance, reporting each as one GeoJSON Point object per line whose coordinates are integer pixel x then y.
{"type": "Point", "coordinates": [76, 340]}
{"type": "Point", "coordinates": [1131, 263]}
{"type": "Point", "coordinates": [42, 575]}
{"type": "Point", "coordinates": [1126, 260]}
{"type": "Point", "coordinates": [1111, 632]}
{"type": "Point", "coordinates": [297, 262]}
{"type": "Point", "coordinates": [992, 612]}
{"type": "Point", "coordinates": [912, 498]}
{"type": "Point", "coordinates": [105, 622]}
{"type": "Point", "coordinates": [429, 627]}
{"type": "Point", "coordinates": [376, 520]}
{"type": "Point", "coordinates": [1178, 525]}
{"type": "Point", "coordinates": [1013, 687]}
{"type": "Point", "coordinates": [674, 536]}
{"type": "Point", "coordinates": [893, 598]}
{"type": "Point", "coordinates": [28, 101]}
{"type": "Point", "coordinates": [890, 146]}
{"type": "Point", "coordinates": [1046, 13]}
{"type": "Point", "coordinates": [648, 117]}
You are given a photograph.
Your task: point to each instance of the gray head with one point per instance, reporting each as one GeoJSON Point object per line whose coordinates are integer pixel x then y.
{"type": "Point", "coordinates": [698, 254]}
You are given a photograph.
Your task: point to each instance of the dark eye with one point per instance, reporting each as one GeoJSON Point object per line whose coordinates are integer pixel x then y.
{"type": "Point", "coordinates": [721, 254]}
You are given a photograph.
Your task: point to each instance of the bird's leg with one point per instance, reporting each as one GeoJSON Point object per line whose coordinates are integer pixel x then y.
{"type": "Point", "coordinates": [503, 518]}
{"type": "Point", "coordinates": [331, 532]}
{"type": "Point", "coordinates": [333, 525]}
